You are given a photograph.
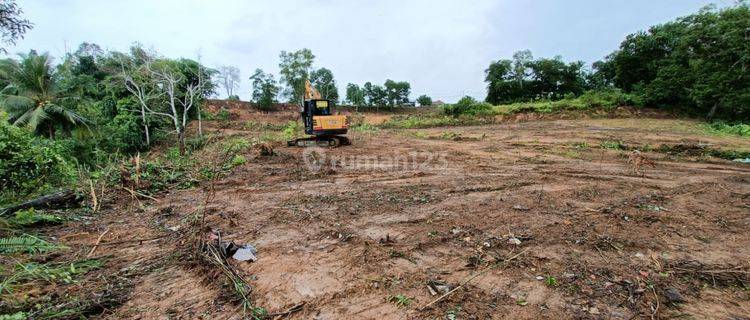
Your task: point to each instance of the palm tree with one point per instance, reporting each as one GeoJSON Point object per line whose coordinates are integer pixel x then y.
{"type": "Point", "coordinates": [32, 97]}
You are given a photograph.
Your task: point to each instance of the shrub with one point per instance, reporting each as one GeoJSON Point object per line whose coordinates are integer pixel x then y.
{"type": "Point", "coordinates": [234, 97]}
{"type": "Point", "coordinates": [29, 165]}
{"type": "Point", "coordinates": [739, 129]}
{"type": "Point", "coordinates": [466, 106]}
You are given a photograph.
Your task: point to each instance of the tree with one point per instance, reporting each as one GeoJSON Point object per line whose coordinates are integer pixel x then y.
{"type": "Point", "coordinates": [322, 79]}
{"type": "Point", "coordinates": [12, 26]}
{"type": "Point", "coordinates": [397, 92]}
{"type": "Point", "coordinates": [265, 89]}
{"type": "Point", "coordinates": [355, 95]}
{"type": "Point", "coordinates": [168, 89]}
{"type": "Point", "coordinates": [699, 63]}
{"type": "Point", "coordinates": [33, 98]}
{"type": "Point", "coordinates": [424, 100]}
{"type": "Point", "coordinates": [229, 79]}
{"type": "Point", "coordinates": [524, 79]}
{"type": "Point", "coordinates": [295, 69]}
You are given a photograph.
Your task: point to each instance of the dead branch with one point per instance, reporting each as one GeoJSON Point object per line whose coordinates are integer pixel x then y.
{"type": "Point", "coordinates": [472, 277]}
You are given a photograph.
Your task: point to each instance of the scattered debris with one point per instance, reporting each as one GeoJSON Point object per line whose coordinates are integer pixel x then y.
{"type": "Point", "coordinates": [263, 149]}
{"type": "Point", "coordinates": [436, 287]}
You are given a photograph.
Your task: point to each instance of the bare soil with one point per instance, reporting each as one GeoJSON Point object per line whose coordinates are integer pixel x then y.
{"type": "Point", "coordinates": [597, 237]}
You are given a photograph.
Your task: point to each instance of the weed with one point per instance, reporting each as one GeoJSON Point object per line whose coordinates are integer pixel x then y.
{"type": "Point", "coordinates": [739, 129]}
{"type": "Point", "coordinates": [31, 217]}
{"type": "Point", "coordinates": [399, 300]}
{"type": "Point", "coordinates": [26, 243]}
{"type": "Point", "coordinates": [581, 145]}
{"type": "Point", "coordinates": [613, 145]}
{"type": "Point", "coordinates": [365, 128]}
{"type": "Point", "coordinates": [292, 130]}
{"type": "Point", "coordinates": [521, 302]}
{"type": "Point", "coordinates": [52, 273]}
{"type": "Point", "coordinates": [238, 160]}
{"type": "Point", "coordinates": [433, 233]}
{"type": "Point", "coordinates": [550, 281]}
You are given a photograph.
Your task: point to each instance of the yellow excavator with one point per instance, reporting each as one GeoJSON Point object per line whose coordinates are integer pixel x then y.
{"type": "Point", "coordinates": [326, 129]}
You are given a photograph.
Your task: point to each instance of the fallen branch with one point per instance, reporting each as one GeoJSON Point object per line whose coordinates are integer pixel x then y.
{"type": "Point", "coordinates": [472, 277]}
{"type": "Point", "coordinates": [135, 194]}
{"type": "Point", "coordinates": [132, 240]}
{"type": "Point", "coordinates": [96, 245]}
{"type": "Point", "coordinates": [289, 311]}
{"type": "Point", "coordinates": [55, 200]}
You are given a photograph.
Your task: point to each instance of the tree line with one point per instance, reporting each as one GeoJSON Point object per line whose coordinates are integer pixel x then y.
{"type": "Point", "coordinates": [698, 64]}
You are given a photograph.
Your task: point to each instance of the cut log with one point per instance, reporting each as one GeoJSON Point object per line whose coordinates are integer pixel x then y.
{"type": "Point", "coordinates": [50, 201]}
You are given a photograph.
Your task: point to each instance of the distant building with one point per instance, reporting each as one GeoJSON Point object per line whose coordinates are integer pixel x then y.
{"type": "Point", "coordinates": [437, 103]}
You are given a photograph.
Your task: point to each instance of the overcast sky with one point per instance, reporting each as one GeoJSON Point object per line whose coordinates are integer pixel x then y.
{"type": "Point", "coordinates": [441, 47]}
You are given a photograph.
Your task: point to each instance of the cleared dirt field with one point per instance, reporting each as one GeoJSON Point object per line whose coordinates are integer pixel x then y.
{"type": "Point", "coordinates": [551, 224]}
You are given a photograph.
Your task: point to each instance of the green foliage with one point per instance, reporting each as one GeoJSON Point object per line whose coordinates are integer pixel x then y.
{"type": "Point", "coordinates": [466, 106]}
{"type": "Point", "coordinates": [355, 95]}
{"type": "Point", "coordinates": [30, 217]}
{"type": "Point", "coordinates": [613, 145]}
{"type": "Point", "coordinates": [25, 244]}
{"type": "Point", "coordinates": [293, 129]}
{"type": "Point", "coordinates": [605, 99]}
{"type": "Point", "coordinates": [264, 89]}
{"type": "Point", "coordinates": [739, 129]}
{"type": "Point", "coordinates": [238, 160]}
{"type": "Point", "coordinates": [396, 92]}
{"type": "Point", "coordinates": [525, 79]}
{"type": "Point", "coordinates": [223, 115]}
{"type": "Point", "coordinates": [322, 79]}
{"type": "Point", "coordinates": [696, 63]}
{"type": "Point", "coordinates": [424, 100]}
{"type": "Point", "coordinates": [550, 281]}
{"type": "Point", "coordinates": [233, 97]}
{"type": "Point", "coordinates": [15, 316]}
{"type": "Point", "coordinates": [33, 97]}
{"type": "Point", "coordinates": [400, 300]}
{"type": "Point", "coordinates": [295, 69]}
{"type": "Point", "coordinates": [29, 164]}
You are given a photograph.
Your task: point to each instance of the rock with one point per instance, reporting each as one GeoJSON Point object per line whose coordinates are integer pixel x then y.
{"type": "Point", "coordinates": [514, 240]}
{"type": "Point", "coordinates": [673, 296]}
{"type": "Point", "coordinates": [594, 310]}
{"type": "Point", "coordinates": [520, 208]}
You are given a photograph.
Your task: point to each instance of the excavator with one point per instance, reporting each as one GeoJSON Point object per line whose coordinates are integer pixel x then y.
{"type": "Point", "coordinates": [325, 128]}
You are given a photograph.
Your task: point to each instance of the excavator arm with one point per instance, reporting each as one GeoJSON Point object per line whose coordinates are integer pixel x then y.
{"type": "Point", "coordinates": [310, 91]}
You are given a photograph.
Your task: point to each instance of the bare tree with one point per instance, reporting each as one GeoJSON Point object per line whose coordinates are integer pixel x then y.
{"type": "Point", "coordinates": [162, 91]}
{"type": "Point", "coordinates": [229, 78]}
{"type": "Point", "coordinates": [145, 93]}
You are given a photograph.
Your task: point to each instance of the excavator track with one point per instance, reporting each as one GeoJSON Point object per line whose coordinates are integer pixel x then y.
{"type": "Point", "coordinates": [320, 141]}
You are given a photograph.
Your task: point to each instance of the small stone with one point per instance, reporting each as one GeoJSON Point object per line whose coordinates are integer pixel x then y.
{"type": "Point", "coordinates": [514, 240]}
{"type": "Point", "coordinates": [673, 296]}
{"type": "Point", "coordinates": [539, 278]}
{"type": "Point", "coordinates": [594, 310]}
{"type": "Point", "coordinates": [639, 255]}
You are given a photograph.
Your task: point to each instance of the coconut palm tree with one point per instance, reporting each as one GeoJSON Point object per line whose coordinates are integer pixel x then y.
{"type": "Point", "coordinates": [32, 97]}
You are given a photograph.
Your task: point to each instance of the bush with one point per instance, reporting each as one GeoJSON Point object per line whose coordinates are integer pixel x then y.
{"type": "Point", "coordinates": [466, 106]}
{"type": "Point", "coordinates": [739, 129]}
{"type": "Point", "coordinates": [29, 165]}
{"type": "Point", "coordinates": [234, 97]}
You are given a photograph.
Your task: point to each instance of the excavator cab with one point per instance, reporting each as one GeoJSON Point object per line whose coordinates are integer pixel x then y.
{"type": "Point", "coordinates": [320, 122]}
